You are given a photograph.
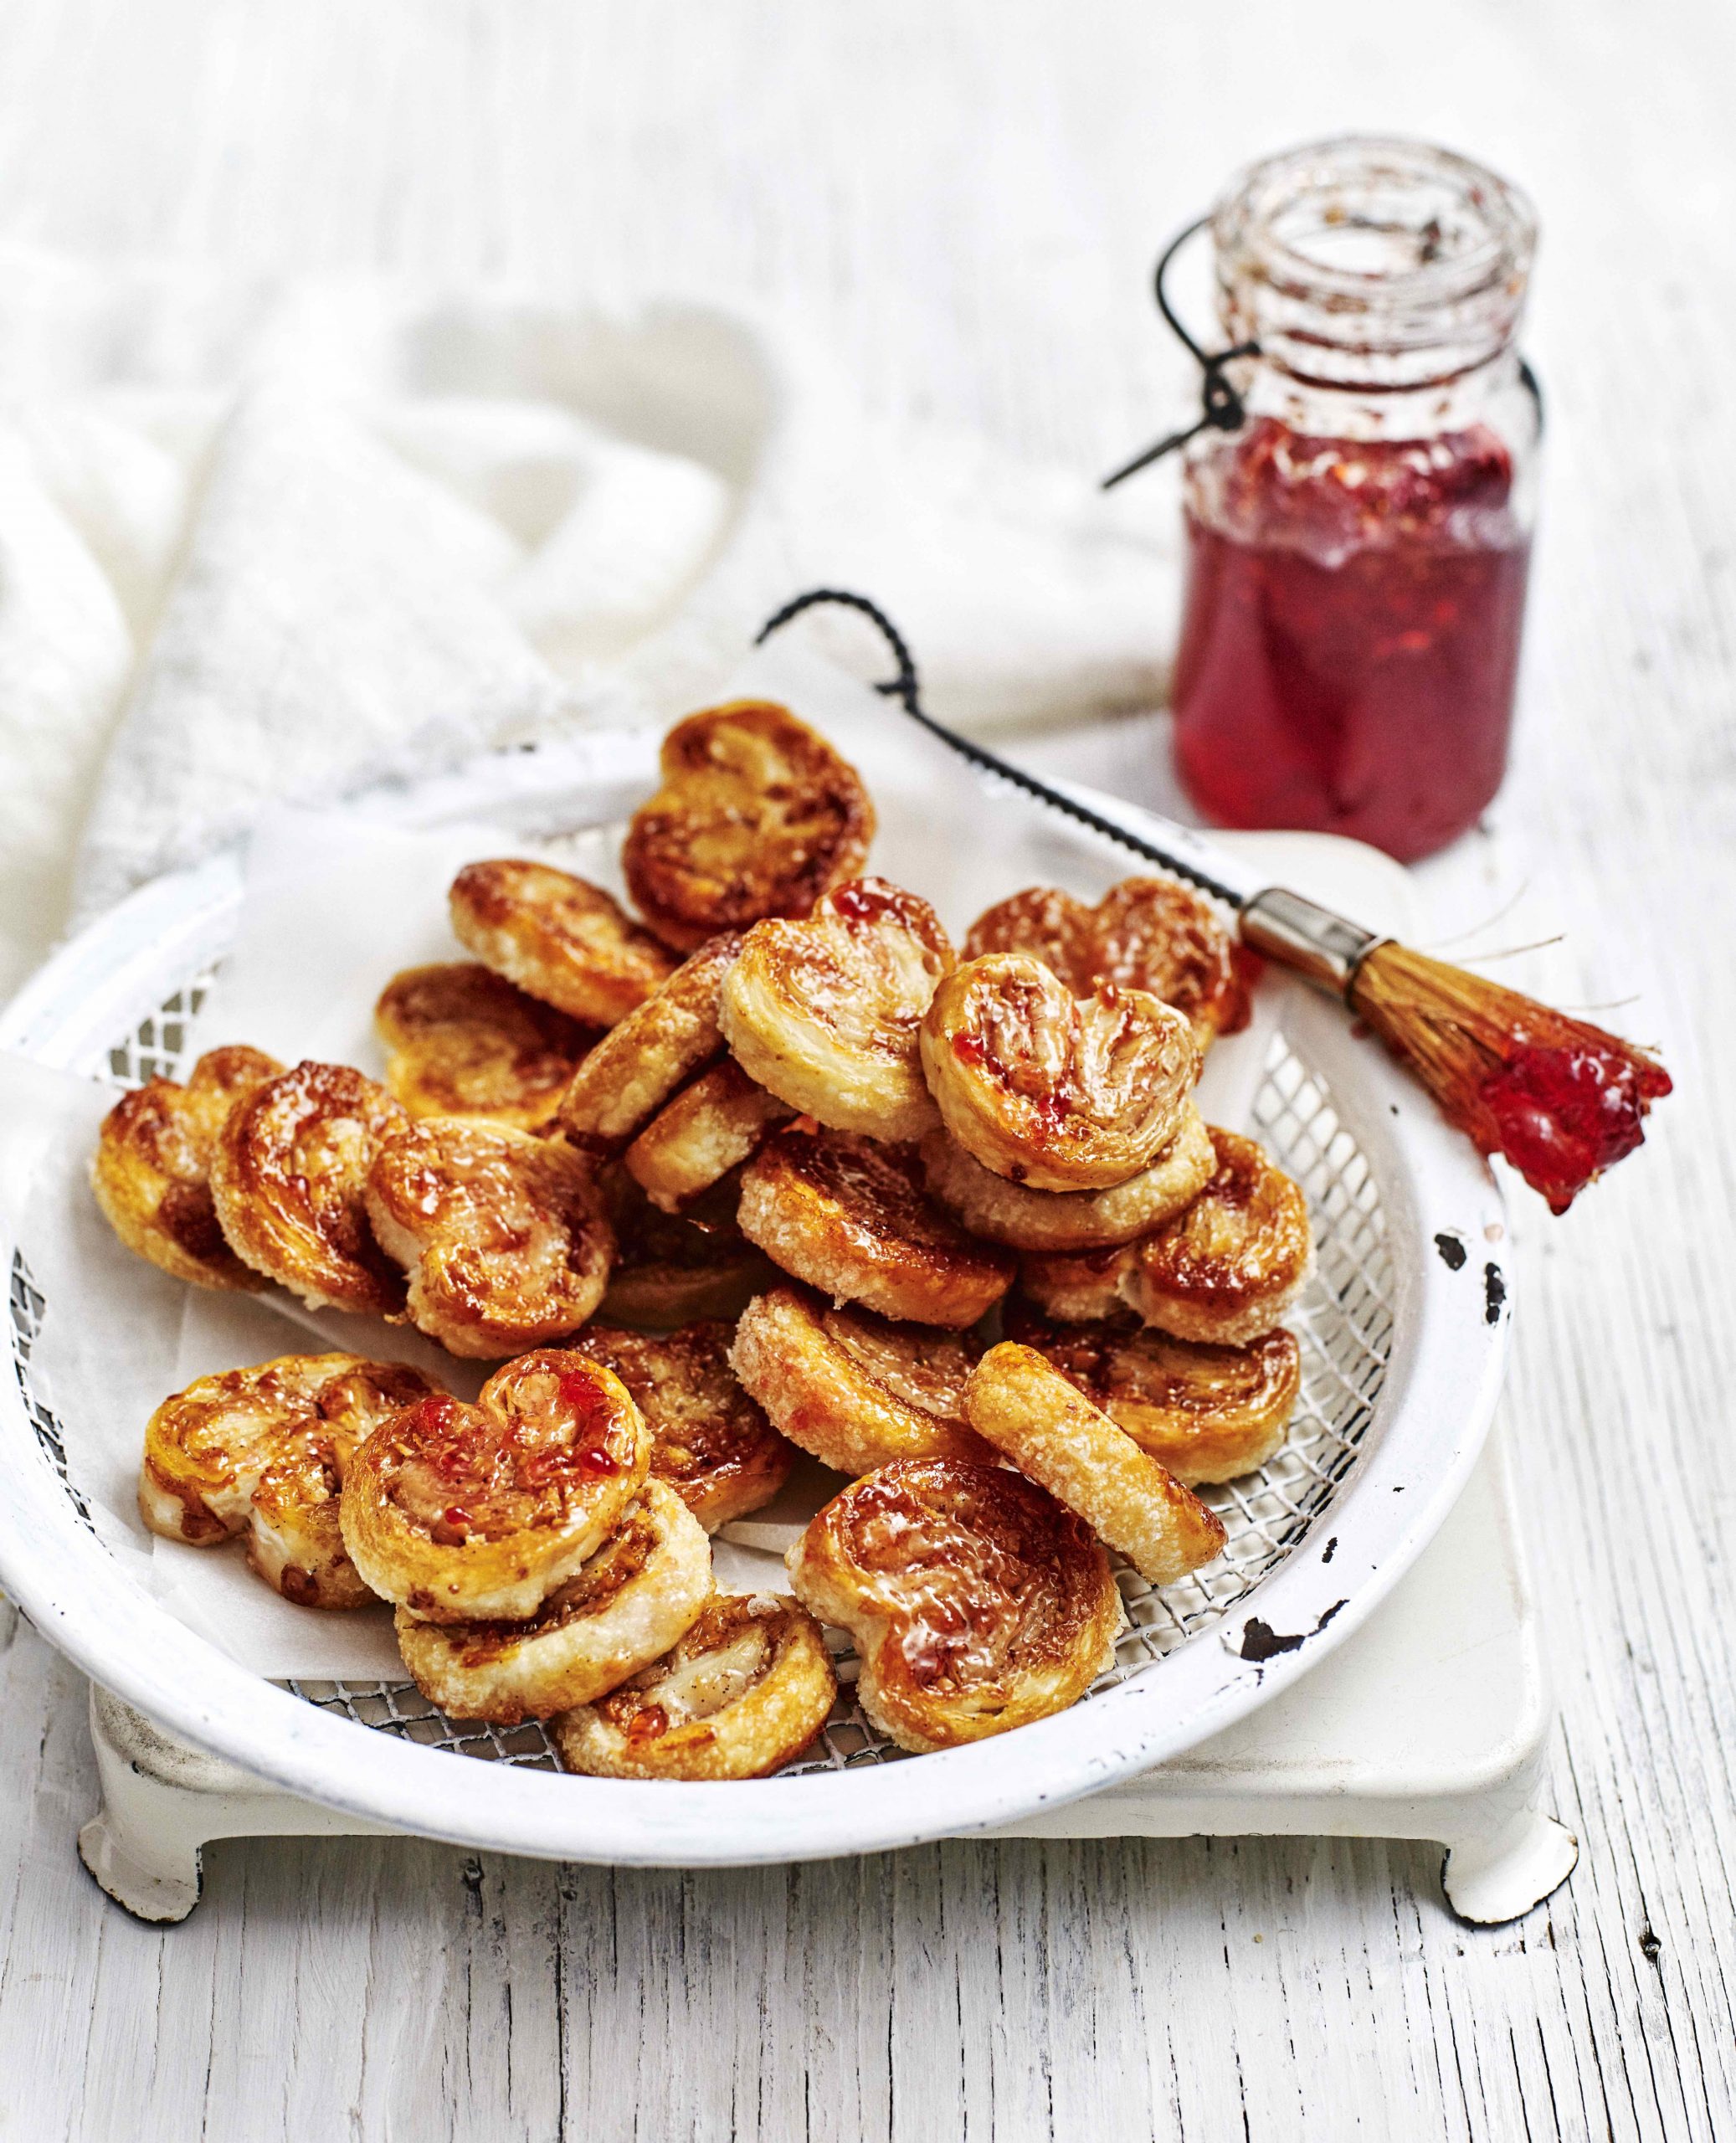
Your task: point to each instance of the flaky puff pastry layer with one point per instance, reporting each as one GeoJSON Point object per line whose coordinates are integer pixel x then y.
{"type": "Point", "coordinates": [824, 1012]}
{"type": "Point", "coordinates": [628, 1605]}
{"type": "Point", "coordinates": [471, 1513]}
{"type": "Point", "coordinates": [558, 936]}
{"type": "Point", "coordinates": [151, 1168]}
{"type": "Point", "coordinates": [856, 1389]}
{"type": "Point", "coordinates": [1058, 1093]}
{"type": "Point", "coordinates": [748, 1688]}
{"type": "Point", "coordinates": [852, 1219]}
{"type": "Point", "coordinates": [503, 1234]}
{"type": "Point", "coordinates": [977, 1602]}
{"type": "Point", "coordinates": [640, 1062]}
{"type": "Point", "coordinates": [756, 816]}
{"type": "Point", "coordinates": [1051, 1432]}
{"type": "Point", "coordinates": [462, 1041]}
{"type": "Point", "coordinates": [262, 1451]}
{"type": "Point", "coordinates": [670, 1269]}
{"type": "Point", "coordinates": [289, 1180]}
{"type": "Point", "coordinates": [710, 1128]}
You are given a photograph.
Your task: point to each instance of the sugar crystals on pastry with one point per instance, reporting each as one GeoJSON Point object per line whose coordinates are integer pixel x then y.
{"type": "Point", "coordinates": [747, 1688]}
{"type": "Point", "coordinates": [823, 1011]}
{"type": "Point", "coordinates": [1075, 1286]}
{"type": "Point", "coordinates": [640, 1062]}
{"type": "Point", "coordinates": [756, 816]}
{"type": "Point", "coordinates": [977, 1603]}
{"type": "Point", "coordinates": [463, 1042]}
{"type": "Point", "coordinates": [151, 1171]}
{"type": "Point", "coordinates": [1023, 1219]}
{"type": "Point", "coordinates": [1055, 1092]}
{"type": "Point", "coordinates": [558, 936]}
{"type": "Point", "coordinates": [851, 1218]}
{"type": "Point", "coordinates": [710, 1128]}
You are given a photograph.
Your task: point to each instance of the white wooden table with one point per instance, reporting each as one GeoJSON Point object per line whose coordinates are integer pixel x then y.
{"type": "Point", "coordinates": [965, 200]}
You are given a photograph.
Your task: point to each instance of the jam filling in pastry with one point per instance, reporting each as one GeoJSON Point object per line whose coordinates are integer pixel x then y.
{"type": "Point", "coordinates": [669, 1270]}
{"type": "Point", "coordinates": [824, 1012]}
{"type": "Point", "coordinates": [1206, 1413]}
{"type": "Point", "coordinates": [640, 1061]}
{"type": "Point", "coordinates": [977, 1603]}
{"type": "Point", "coordinates": [851, 1218]}
{"type": "Point", "coordinates": [503, 1234]}
{"type": "Point", "coordinates": [626, 1607]}
{"type": "Point", "coordinates": [475, 1514]}
{"type": "Point", "coordinates": [464, 1042]}
{"type": "Point", "coordinates": [262, 1452]}
{"type": "Point", "coordinates": [289, 1180]}
{"type": "Point", "coordinates": [710, 1128]}
{"type": "Point", "coordinates": [559, 937]}
{"type": "Point", "coordinates": [1053, 1433]}
{"type": "Point", "coordinates": [856, 1389]}
{"type": "Point", "coordinates": [747, 1688]}
{"type": "Point", "coordinates": [756, 816]}
{"type": "Point", "coordinates": [710, 1441]}
{"type": "Point", "coordinates": [1050, 1090]}
{"type": "Point", "coordinates": [152, 1169]}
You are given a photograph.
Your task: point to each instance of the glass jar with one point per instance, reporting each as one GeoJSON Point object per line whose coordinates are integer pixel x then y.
{"type": "Point", "coordinates": [1357, 548]}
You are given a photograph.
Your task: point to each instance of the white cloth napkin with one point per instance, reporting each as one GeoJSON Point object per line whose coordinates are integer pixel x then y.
{"type": "Point", "coordinates": [259, 545]}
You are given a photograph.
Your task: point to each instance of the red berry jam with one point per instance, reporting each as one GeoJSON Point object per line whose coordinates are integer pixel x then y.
{"type": "Point", "coordinates": [1565, 1114]}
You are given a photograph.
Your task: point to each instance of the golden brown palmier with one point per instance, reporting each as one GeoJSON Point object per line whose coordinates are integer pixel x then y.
{"type": "Point", "coordinates": [151, 1168]}
{"type": "Point", "coordinates": [289, 1178]}
{"type": "Point", "coordinates": [1229, 1268]}
{"type": "Point", "coordinates": [851, 1218]}
{"type": "Point", "coordinates": [503, 1234]}
{"type": "Point", "coordinates": [856, 1389]}
{"type": "Point", "coordinates": [977, 1603]}
{"type": "Point", "coordinates": [1076, 1286]}
{"type": "Point", "coordinates": [710, 1441]}
{"type": "Point", "coordinates": [628, 1605]}
{"type": "Point", "coordinates": [475, 1514]}
{"type": "Point", "coordinates": [1057, 1091]}
{"type": "Point", "coordinates": [464, 1042]}
{"type": "Point", "coordinates": [709, 1129]}
{"type": "Point", "coordinates": [559, 937]}
{"type": "Point", "coordinates": [262, 1451]}
{"type": "Point", "coordinates": [1054, 1435]}
{"type": "Point", "coordinates": [824, 1012]}
{"type": "Point", "coordinates": [756, 816]}
{"type": "Point", "coordinates": [670, 1269]}
{"type": "Point", "coordinates": [1070, 1220]}
{"type": "Point", "coordinates": [747, 1688]}
{"type": "Point", "coordinates": [1207, 1413]}
{"type": "Point", "coordinates": [640, 1061]}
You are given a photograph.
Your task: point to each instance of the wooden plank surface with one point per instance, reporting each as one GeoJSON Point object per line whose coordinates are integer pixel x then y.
{"type": "Point", "coordinates": [964, 202]}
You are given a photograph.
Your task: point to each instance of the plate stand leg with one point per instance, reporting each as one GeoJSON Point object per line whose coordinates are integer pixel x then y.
{"type": "Point", "coordinates": [1499, 1875]}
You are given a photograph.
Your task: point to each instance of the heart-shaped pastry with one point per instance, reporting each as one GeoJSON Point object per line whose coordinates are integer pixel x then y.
{"type": "Point", "coordinates": [1049, 1090]}
{"type": "Point", "coordinates": [153, 1165]}
{"type": "Point", "coordinates": [560, 937]}
{"type": "Point", "coordinates": [977, 1603]}
{"type": "Point", "coordinates": [464, 1042]}
{"type": "Point", "coordinates": [824, 1012]}
{"type": "Point", "coordinates": [758, 815]}
{"type": "Point", "coordinates": [503, 1234]}
{"type": "Point", "coordinates": [473, 1514]}
{"type": "Point", "coordinates": [1154, 934]}
{"type": "Point", "coordinates": [640, 1062]}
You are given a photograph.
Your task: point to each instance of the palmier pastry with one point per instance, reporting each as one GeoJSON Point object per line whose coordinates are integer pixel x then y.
{"type": "Point", "coordinates": [748, 1688]}
{"type": "Point", "coordinates": [472, 1513]}
{"type": "Point", "coordinates": [670, 1269]}
{"type": "Point", "coordinates": [1070, 1220]}
{"type": "Point", "coordinates": [758, 816]}
{"type": "Point", "coordinates": [709, 1129]}
{"type": "Point", "coordinates": [1229, 1266]}
{"type": "Point", "coordinates": [627, 1605]}
{"type": "Point", "coordinates": [1206, 1413]}
{"type": "Point", "coordinates": [856, 1389]}
{"type": "Point", "coordinates": [1076, 1286]}
{"type": "Point", "coordinates": [464, 1042]}
{"type": "Point", "coordinates": [977, 1603]}
{"type": "Point", "coordinates": [1145, 933]}
{"type": "Point", "coordinates": [639, 1063]}
{"type": "Point", "coordinates": [1058, 1093]}
{"type": "Point", "coordinates": [262, 1451]}
{"type": "Point", "coordinates": [289, 1180]}
{"type": "Point", "coordinates": [558, 936]}
{"type": "Point", "coordinates": [152, 1169]}
{"type": "Point", "coordinates": [710, 1439]}
{"type": "Point", "coordinates": [852, 1219]}
{"type": "Point", "coordinates": [1053, 1433]}
{"type": "Point", "coordinates": [502, 1233]}
{"type": "Point", "coordinates": [824, 1012]}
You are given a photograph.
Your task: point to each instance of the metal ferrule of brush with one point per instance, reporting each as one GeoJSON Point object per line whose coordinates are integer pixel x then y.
{"type": "Point", "coordinates": [1307, 938]}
